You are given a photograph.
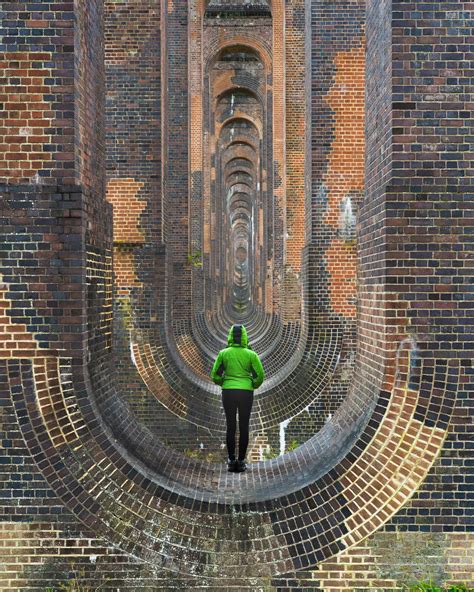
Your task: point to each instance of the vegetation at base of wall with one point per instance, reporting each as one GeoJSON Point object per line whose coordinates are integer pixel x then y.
{"type": "Point", "coordinates": [75, 580]}
{"type": "Point", "coordinates": [126, 311]}
{"type": "Point", "coordinates": [239, 304]}
{"type": "Point", "coordinates": [75, 586]}
{"type": "Point", "coordinates": [431, 587]}
{"type": "Point", "coordinates": [195, 258]}
{"type": "Point", "coordinates": [203, 455]}
{"type": "Point", "coordinates": [293, 445]}
{"type": "Point", "coordinates": [271, 452]}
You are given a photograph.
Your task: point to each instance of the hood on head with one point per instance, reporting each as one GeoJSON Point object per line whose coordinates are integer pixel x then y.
{"type": "Point", "coordinates": [237, 336]}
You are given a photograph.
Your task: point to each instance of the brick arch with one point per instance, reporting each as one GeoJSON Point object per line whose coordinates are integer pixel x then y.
{"type": "Point", "coordinates": [239, 202]}
{"type": "Point", "coordinates": [240, 143]}
{"type": "Point", "coordinates": [236, 168]}
{"type": "Point", "coordinates": [247, 40]}
{"type": "Point", "coordinates": [246, 187]}
{"type": "Point", "coordinates": [240, 176]}
{"type": "Point", "coordinates": [225, 228]}
{"type": "Point", "coordinates": [235, 4]}
{"type": "Point", "coordinates": [239, 116]}
{"type": "Point", "coordinates": [237, 149]}
{"type": "Point", "coordinates": [243, 89]}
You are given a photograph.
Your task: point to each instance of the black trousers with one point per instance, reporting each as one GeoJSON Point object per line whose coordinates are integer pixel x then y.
{"type": "Point", "coordinates": [241, 400]}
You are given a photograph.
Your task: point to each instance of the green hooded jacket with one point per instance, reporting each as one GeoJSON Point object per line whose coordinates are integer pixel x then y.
{"type": "Point", "coordinates": [237, 366]}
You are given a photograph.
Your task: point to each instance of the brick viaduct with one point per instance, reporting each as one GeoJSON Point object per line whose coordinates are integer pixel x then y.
{"type": "Point", "coordinates": [169, 168]}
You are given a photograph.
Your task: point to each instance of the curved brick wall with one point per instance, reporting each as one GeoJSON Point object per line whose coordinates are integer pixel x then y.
{"type": "Point", "coordinates": [151, 513]}
{"type": "Point", "coordinates": [98, 318]}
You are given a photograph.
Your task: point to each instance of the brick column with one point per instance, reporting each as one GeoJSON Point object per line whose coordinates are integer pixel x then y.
{"type": "Point", "coordinates": [418, 173]}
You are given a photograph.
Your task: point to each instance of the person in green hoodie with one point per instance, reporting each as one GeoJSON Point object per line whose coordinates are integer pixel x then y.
{"type": "Point", "coordinates": [239, 371]}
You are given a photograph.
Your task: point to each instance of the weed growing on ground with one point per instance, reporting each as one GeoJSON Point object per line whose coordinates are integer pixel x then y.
{"type": "Point", "coordinates": [431, 587]}
{"type": "Point", "coordinates": [271, 452]}
{"type": "Point", "coordinates": [203, 455]}
{"type": "Point", "coordinates": [76, 582]}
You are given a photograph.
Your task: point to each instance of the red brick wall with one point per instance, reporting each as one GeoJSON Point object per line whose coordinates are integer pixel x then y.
{"type": "Point", "coordinates": [90, 91]}
{"type": "Point", "coordinates": [37, 133]}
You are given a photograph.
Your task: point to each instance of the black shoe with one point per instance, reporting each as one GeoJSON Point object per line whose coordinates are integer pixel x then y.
{"type": "Point", "coordinates": [231, 465]}
{"type": "Point", "coordinates": [241, 466]}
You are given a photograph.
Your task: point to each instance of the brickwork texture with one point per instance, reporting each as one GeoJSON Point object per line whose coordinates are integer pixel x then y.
{"type": "Point", "coordinates": [168, 168]}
